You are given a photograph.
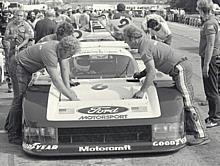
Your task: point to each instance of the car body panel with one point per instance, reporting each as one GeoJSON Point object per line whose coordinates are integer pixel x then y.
{"type": "Point", "coordinates": [106, 119]}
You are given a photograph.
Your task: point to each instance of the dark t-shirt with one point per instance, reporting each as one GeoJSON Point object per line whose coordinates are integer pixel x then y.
{"type": "Point", "coordinates": [44, 27]}
{"type": "Point", "coordinates": [211, 26]}
{"type": "Point", "coordinates": [161, 53]}
{"type": "Point", "coordinates": [48, 38]}
{"type": "Point", "coordinates": [39, 56]}
{"type": "Point", "coordinates": [120, 15]}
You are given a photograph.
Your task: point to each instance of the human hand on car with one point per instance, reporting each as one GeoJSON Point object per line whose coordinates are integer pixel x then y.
{"type": "Point", "coordinates": [73, 96]}
{"type": "Point", "coordinates": [74, 83]}
{"type": "Point", "coordinates": [137, 75]}
{"type": "Point", "coordinates": [138, 95]}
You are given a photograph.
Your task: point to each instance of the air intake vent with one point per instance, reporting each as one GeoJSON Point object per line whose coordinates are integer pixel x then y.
{"type": "Point", "coordinates": [120, 134]}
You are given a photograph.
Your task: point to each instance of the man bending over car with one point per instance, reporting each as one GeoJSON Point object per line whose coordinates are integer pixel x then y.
{"type": "Point", "coordinates": [34, 58]}
{"type": "Point", "coordinates": [160, 56]}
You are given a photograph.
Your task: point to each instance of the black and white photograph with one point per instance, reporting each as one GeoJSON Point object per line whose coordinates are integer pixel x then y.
{"type": "Point", "coordinates": [109, 82]}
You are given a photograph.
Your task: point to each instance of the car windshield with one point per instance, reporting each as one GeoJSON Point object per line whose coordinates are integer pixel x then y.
{"type": "Point", "coordinates": [101, 66]}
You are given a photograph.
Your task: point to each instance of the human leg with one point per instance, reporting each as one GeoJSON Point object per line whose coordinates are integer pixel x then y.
{"type": "Point", "coordinates": [211, 87]}
{"type": "Point", "coordinates": [183, 84]}
{"type": "Point", "coordinates": [12, 68]}
{"type": "Point", "coordinates": [15, 115]}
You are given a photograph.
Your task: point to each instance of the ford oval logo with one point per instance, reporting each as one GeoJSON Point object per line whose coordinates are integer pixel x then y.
{"type": "Point", "coordinates": [103, 110]}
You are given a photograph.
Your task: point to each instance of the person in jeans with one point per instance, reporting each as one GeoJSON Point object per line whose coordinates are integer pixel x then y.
{"type": "Point", "coordinates": [42, 55]}
{"type": "Point", "coordinates": [18, 36]}
{"type": "Point", "coordinates": [209, 50]}
{"type": "Point", "coordinates": [160, 56]}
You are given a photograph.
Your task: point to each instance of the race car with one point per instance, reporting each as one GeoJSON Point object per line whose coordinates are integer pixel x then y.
{"type": "Point", "coordinates": [95, 36]}
{"type": "Point", "coordinates": [106, 120]}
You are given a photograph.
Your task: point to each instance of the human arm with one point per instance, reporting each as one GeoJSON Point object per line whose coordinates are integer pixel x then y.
{"type": "Point", "coordinates": [8, 35]}
{"type": "Point", "coordinates": [150, 75]}
{"type": "Point", "coordinates": [26, 34]}
{"type": "Point", "coordinates": [65, 72]}
{"type": "Point", "coordinates": [139, 75]}
{"type": "Point", "coordinates": [208, 54]}
{"type": "Point", "coordinates": [25, 42]}
{"type": "Point", "coordinates": [59, 84]}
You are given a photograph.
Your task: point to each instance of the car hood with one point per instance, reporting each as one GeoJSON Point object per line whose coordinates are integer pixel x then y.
{"type": "Point", "coordinates": [103, 100]}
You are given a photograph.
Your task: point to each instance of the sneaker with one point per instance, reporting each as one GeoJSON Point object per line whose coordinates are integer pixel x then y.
{"type": "Point", "coordinates": [210, 123]}
{"type": "Point", "coordinates": [198, 141]}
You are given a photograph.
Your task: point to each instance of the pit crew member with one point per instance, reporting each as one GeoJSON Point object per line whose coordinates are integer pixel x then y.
{"type": "Point", "coordinates": [33, 59]}
{"type": "Point", "coordinates": [157, 55]}
{"type": "Point", "coordinates": [209, 50]}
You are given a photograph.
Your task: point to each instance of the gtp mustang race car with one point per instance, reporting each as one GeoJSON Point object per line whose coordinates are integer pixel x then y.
{"type": "Point", "coordinates": [106, 119]}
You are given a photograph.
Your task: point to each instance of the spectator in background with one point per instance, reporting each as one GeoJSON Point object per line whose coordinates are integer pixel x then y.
{"type": "Point", "coordinates": [18, 34]}
{"type": "Point", "coordinates": [30, 18]}
{"type": "Point", "coordinates": [61, 16]}
{"type": "Point", "coordinates": [209, 50]}
{"type": "Point", "coordinates": [63, 30]}
{"type": "Point", "coordinates": [121, 13]}
{"type": "Point", "coordinates": [38, 16]}
{"type": "Point", "coordinates": [159, 31]}
{"type": "Point", "coordinates": [84, 20]}
{"type": "Point", "coordinates": [75, 18]}
{"type": "Point", "coordinates": [152, 15]}
{"type": "Point", "coordinates": [5, 19]}
{"type": "Point", "coordinates": [45, 26]}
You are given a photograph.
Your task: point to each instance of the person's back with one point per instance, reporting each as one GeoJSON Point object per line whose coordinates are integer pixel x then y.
{"type": "Point", "coordinates": [152, 15]}
{"type": "Point", "coordinates": [38, 56]}
{"type": "Point", "coordinates": [121, 13]}
{"type": "Point", "coordinates": [160, 31]}
{"type": "Point", "coordinates": [84, 19]}
{"type": "Point", "coordinates": [162, 54]}
{"type": "Point", "coordinates": [45, 26]}
{"type": "Point", "coordinates": [48, 38]}
{"type": "Point", "coordinates": [76, 17]}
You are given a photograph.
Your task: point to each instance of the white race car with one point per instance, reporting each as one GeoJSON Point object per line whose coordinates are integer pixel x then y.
{"type": "Point", "coordinates": [106, 119]}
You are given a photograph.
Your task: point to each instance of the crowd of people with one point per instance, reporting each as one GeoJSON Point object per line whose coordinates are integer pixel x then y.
{"type": "Point", "coordinates": [27, 50]}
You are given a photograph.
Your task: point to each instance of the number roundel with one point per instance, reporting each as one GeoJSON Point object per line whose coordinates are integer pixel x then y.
{"type": "Point", "coordinates": [77, 33]}
{"type": "Point", "coordinates": [123, 22]}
